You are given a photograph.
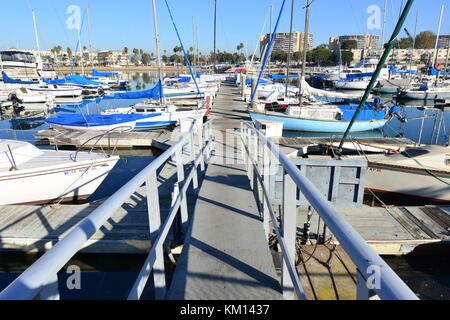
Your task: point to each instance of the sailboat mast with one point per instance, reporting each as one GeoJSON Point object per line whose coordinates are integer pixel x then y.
{"type": "Point", "coordinates": [437, 36]}
{"type": "Point", "coordinates": [90, 38]}
{"type": "Point", "coordinates": [384, 23]}
{"type": "Point", "coordinates": [81, 49]}
{"type": "Point", "coordinates": [290, 47]}
{"type": "Point", "coordinates": [414, 41]}
{"type": "Point", "coordinates": [193, 38]}
{"type": "Point", "coordinates": [36, 35]}
{"type": "Point", "coordinates": [305, 43]}
{"type": "Point", "coordinates": [215, 24]}
{"type": "Point", "coordinates": [270, 37]}
{"type": "Point", "coordinates": [158, 51]}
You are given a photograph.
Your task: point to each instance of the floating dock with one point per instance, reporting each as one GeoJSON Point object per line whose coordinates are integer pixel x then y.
{"type": "Point", "coordinates": [160, 139]}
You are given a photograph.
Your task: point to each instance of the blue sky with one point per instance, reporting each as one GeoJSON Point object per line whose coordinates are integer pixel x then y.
{"type": "Point", "coordinates": [116, 24]}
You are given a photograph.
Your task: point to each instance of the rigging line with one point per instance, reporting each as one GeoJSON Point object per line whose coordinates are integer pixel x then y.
{"type": "Point", "coordinates": [417, 161]}
{"type": "Point", "coordinates": [182, 48]}
{"type": "Point", "coordinates": [355, 17]}
{"type": "Point", "coordinates": [63, 27]}
{"type": "Point", "coordinates": [268, 51]}
{"type": "Point", "coordinates": [257, 43]}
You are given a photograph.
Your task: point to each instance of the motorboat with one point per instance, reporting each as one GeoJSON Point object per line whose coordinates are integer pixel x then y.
{"type": "Point", "coordinates": [422, 172]}
{"type": "Point", "coordinates": [29, 175]}
{"type": "Point", "coordinates": [425, 92]}
{"type": "Point", "coordinates": [58, 91]}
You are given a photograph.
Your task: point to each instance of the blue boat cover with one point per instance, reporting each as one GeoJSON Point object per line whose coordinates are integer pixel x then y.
{"type": "Point", "coordinates": [96, 73]}
{"type": "Point", "coordinates": [359, 75]}
{"type": "Point", "coordinates": [434, 72]}
{"type": "Point", "coordinates": [249, 81]}
{"type": "Point", "coordinates": [7, 79]}
{"type": "Point", "coordinates": [282, 76]}
{"type": "Point", "coordinates": [155, 93]}
{"type": "Point", "coordinates": [366, 113]}
{"type": "Point", "coordinates": [95, 120]}
{"type": "Point", "coordinates": [393, 70]}
{"type": "Point", "coordinates": [73, 79]}
{"type": "Point", "coordinates": [182, 79]}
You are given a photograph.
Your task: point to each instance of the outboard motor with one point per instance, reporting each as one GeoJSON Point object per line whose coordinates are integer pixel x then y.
{"type": "Point", "coordinates": [394, 112]}
{"type": "Point", "coordinates": [13, 98]}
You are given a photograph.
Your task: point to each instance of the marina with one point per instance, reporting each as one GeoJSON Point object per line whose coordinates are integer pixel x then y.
{"type": "Point", "coordinates": [298, 172]}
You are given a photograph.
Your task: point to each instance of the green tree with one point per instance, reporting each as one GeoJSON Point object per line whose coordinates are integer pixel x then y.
{"type": "Point", "coordinates": [69, 53]}
{"type": "Point", "coordinates": [425, 40]}
{"type": "Point", "coordinates": [280, 56]}
{"type": "Point", "coordinates": [346, 57]}
{"type": "Point", "coordinates": [319, 55]}
{"type": "Point", "coordinates": [134, 60]}
{"type": "Point", "coordinates": [146, 58]}
{"type": "Point", "coordinates": [125, 50]}
{"type": "Point", "coordinates": [349, 44]}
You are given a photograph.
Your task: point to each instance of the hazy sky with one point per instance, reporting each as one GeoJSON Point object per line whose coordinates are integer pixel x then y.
{"type": "Point", "coordinates": [116, 24]}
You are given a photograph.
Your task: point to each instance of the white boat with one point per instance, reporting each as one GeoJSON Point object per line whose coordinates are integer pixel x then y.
{"type": "Point", "coordinates": [29, 175]}
{"type": "Point", "coordinates": [57, 91]}
{"type": "Point", "coordinates": [425, 93]}
{"type": "Point", "coordinates": [354, 84]}
{"type": "Point", "coordinates": [27, 96]}
{"type": "Point", "coordinates": [422, 172]}
{"type": "Point", "coordinates": [163, 115]}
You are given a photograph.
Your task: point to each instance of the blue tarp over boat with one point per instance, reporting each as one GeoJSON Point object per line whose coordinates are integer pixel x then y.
{"type": "Point", "coordinates": [7, 79]}
{"type": "Point", "coordinates": [74, 79]}
{"type": "Point", "coordinates": [367, 113]}
{"type": "Point", "coordinates": [96, 120]}
{"type": "Point", "coordinates": [96, 73]}
{"type": "Point", "coordinates": [359, 75]}
{"type": "Point", "coordinates": [155, 93]}
{"type": "Point", "coordinates": [282, 76]}
{"type": "Point", "coordinates": [393, 70]}
{"type": "Point", "coordinates": [434, 72]}
{"type": "Point", "coordinates": [249, 81]}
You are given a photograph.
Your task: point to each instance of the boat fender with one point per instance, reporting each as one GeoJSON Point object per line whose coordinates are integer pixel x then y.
{"type": "Point", "coordinates": [392, 151]}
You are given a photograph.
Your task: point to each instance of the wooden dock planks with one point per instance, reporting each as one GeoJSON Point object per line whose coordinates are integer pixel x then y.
{"type": "Point", "coordinates": [161, 139]}
{"type": "Point", "coordinates": [38, 228]}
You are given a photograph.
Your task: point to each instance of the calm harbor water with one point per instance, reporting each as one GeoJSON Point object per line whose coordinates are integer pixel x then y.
{"type": "Point", "coordinates": [107, 276]}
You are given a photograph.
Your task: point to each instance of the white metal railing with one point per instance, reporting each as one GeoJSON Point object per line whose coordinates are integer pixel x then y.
{"type": "Point", "coordinates": [40, 280]}
{"type": "Point", "coordinates": [262, 157]}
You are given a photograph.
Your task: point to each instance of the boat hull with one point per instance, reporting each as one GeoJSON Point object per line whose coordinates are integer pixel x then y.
{"type": "Point", "coordinates": [386, 178]}
{"type": "Point", "coordinates": [350, 85]}
{"type": "Point", "coordinates": [423, 95]}
{"type": "Point", "coordinates": [73, 181]}
{"type": "Point", "coordinates": [312, 125]}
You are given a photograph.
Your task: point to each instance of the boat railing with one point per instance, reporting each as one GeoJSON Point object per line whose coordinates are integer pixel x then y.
{"type": "Point", "coordinates": [193, 150]}
{"type": "Point", "coordinates": [115, 131]}
{"type": "Point", "coordinates": [263, 159]}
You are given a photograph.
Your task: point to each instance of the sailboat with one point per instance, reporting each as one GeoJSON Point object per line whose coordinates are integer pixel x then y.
{"type": "Point", "coordinates": [320, 117]}
{"type": "Point", "coordinates": [29, 175]}
{"type": "Point", "coordinates": [426, 170]}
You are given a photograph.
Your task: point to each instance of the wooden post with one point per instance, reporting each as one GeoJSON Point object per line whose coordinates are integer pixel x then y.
{"type": "Point", "coordinates": [243, 86]}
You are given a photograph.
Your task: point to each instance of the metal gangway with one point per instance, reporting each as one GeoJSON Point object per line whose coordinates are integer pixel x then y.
{"type": "Point", "coordinates": [375, 279]}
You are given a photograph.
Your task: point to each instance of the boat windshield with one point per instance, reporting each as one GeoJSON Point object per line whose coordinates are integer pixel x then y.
{"type": "Point", "coordinates": [18, 56]}
{"type": "Point", "coordinates": [48, 67]}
